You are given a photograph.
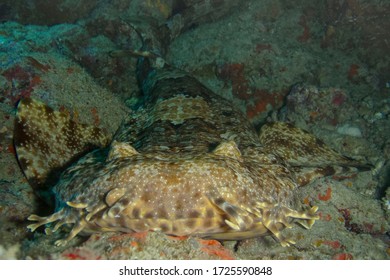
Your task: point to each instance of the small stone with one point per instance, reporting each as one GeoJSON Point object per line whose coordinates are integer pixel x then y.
{"type": "Point", "coordinates": [346, 129]}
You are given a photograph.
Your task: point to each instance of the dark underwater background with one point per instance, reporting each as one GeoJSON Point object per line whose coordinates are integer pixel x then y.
{"type": "Point", "coordinates": [322, 65]}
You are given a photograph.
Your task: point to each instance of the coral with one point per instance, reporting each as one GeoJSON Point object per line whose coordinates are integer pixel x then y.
{"type": "Point", "coordinates": [214, 248]}
{"type": "Point", "coordinates": [334, 244]}
{"type": "Point", "coordinates": [263, 101]}
{"type": "Point", "coordinates": [353, 72]}
{"type": "Point", "coordinates": [23, 78]}
{"type": "Point", "coordinates": [326, 217]}
{"type": "Point", "coordinates": [342, 256]}
{"type": "Point", "coordinates": [305, 36]}
{"type": "Point", "coordinates": [80, 254]}
{"type": "Point", "coordinates": [234, 73]}
{"type": "Point", "coordinates": [326, 196]}
{"type": "Point", "coordinates": [360, 227]}
{"type": "Point", "coordinates": [318, 104]}
{"type": "Point", "coordinates": [339, 98]}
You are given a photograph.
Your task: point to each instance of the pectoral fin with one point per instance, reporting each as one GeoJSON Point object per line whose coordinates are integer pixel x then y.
{"type": "Point", "coordinates": [309, 157]}
{"type": "Point", "coordinates": [46, 141]}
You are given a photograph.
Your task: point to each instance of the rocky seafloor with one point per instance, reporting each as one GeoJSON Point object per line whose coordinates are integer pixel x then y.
{"type": "Point", "coordinates": [322, 65]}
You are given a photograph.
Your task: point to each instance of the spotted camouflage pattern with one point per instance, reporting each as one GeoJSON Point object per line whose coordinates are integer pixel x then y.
{"type": "Point", "coordinates": [186, 162]}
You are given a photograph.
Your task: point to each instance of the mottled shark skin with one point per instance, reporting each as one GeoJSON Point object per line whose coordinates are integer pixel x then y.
{"type": "Point", "coordinates": [47, 141]}
{"type": "Point", "coordinates": [186, 163]}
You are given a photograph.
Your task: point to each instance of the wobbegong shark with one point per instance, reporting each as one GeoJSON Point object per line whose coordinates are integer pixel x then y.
{"type": "Point", "coordinates": [185, 163]}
